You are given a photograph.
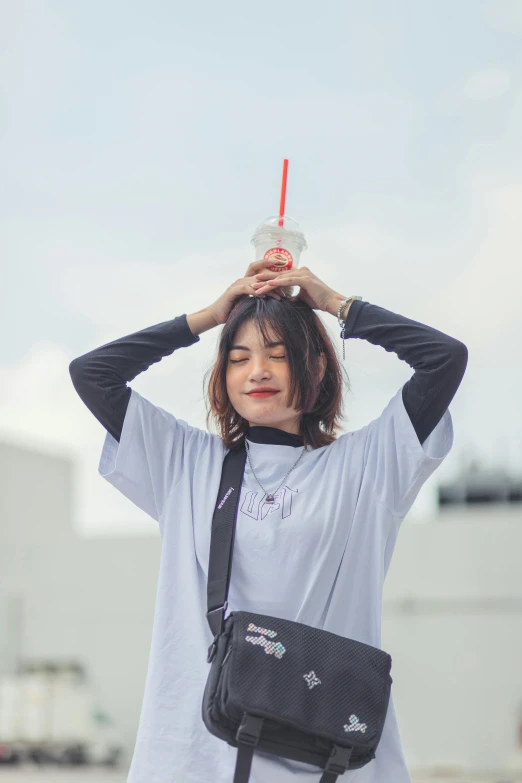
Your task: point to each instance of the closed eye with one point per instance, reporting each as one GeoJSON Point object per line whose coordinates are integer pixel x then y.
{"type": "Point", "coordinates": [237, 361]}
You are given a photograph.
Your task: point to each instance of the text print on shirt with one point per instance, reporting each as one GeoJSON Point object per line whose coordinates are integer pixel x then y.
{"type": "Point", "coordinates": [256, 508]}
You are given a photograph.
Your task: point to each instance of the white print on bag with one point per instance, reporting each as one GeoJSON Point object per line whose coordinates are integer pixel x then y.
{"type": "Point", "coordinates": [225, 498]}
{"type": "Point", "coordinates": [355, 725]}
{"type": "Point", "coordinates": [254, 506]}
{"type": "Point", "coordinates": [265, 631]}
{"type": "Point", "coordinates": [271, 648]}
{"type": "Point", "coordinates": [311, 679]}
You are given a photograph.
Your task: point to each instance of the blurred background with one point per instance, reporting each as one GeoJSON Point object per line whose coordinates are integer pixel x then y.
{"type": "Point", "coordinates": [142, 143]}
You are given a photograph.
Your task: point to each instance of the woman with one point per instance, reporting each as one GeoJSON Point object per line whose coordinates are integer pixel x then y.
{"type": "Point", "coordinates": [318, 512]}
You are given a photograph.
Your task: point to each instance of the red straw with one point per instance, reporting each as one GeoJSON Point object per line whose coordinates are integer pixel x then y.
{"type": "Point", "coordinates": [283, 192]}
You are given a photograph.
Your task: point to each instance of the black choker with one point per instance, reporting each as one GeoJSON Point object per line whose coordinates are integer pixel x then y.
{"type": "Point", "coordinates": [259, 434]}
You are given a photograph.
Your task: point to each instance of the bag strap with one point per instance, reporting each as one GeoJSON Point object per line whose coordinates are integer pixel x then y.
{"type": "Point", "coordinates": [222, 537]}
{"type": "Point", "coordinates": [219, 570]}
{"type": "Point", "coordinates": [252, 726]}
{"type": "Point", "coordinates": [337, 764]}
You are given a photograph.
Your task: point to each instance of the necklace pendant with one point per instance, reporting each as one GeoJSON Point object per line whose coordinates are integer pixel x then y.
{"type": "Point", "coordinates": [269, 499]}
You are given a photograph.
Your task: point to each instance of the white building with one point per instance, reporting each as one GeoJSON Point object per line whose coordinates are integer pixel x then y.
{"type": "Point", "coordinates": [67, 597]}
{"type": "Point", "coordinates": [452, 612]}
{"type": "Point", "coordinates": [453, 625]}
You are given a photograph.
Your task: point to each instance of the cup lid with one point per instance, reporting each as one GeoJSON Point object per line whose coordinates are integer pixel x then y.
{"type": "Point", "coordinates": [270, 228]}
{"type": "Point", "coordinates": [289, 224]}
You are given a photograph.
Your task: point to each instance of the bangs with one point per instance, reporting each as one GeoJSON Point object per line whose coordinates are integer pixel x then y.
{"type": "Point", "coordinates": [269, 325]}
{"type": "Point", "coordinates": [272, 328]}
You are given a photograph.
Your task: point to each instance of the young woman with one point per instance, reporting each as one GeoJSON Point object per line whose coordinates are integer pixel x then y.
{"type": "Point", "coordinates": [318, 512]}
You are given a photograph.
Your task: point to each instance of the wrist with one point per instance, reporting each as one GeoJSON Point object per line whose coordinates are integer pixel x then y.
{"type": "Point", "coordinates": [333, 306]}
{"type": "Point", "coordinates": [202, 321]}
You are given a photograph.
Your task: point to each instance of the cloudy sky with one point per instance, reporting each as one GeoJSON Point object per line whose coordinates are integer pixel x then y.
{"type": "Point", "coordinates": [143, 142]}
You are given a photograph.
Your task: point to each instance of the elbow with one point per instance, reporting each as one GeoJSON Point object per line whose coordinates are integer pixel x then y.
{"type": "Point", "coordinates": [76, 369]}
{"type": "Point", "coordinates": [461, 350]}
{"type": "Point", "coordinates": [73, 368]}
{"type": "Point", "coordinates": [459, 356]}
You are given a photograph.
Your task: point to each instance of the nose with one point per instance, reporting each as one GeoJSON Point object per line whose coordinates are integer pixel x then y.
{"type": "Point", "coordinates": [259, 368]}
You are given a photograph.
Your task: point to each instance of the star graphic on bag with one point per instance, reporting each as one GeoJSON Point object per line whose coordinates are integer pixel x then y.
{"type": "Point", "coordinates": [311, 679]}
{"type": "Point", "coordinates": [355, 725]}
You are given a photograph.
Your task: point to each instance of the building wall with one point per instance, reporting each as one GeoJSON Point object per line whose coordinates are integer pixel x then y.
{"type": "Point", "coordinates": [67, 597]}
{"type": "Point", "coordinates": [452, 621]}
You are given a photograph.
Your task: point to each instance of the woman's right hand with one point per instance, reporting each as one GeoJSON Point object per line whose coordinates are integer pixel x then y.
{"type": "Point", "coordinates": [222, 306]}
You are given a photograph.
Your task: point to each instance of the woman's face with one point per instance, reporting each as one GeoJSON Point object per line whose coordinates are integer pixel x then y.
{"type": "Point", "coordinates": [254, 365]}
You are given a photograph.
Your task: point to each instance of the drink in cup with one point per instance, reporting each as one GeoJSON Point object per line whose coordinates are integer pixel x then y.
{"type": "Point", "coordinates": [279, 245]}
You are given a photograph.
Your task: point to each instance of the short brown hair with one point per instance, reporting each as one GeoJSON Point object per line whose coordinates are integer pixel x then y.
{"type": "Point", "coordinates": [305, 337]}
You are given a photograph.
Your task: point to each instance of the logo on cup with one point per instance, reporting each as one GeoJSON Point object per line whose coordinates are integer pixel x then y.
{"type": "Point", "coordinates": [280, 257]}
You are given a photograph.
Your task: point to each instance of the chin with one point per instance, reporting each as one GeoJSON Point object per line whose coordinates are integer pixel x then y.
{"type": "Point", "coordinates": [268, 418]}
{"type": "Point", "coordinates": [259, 416]}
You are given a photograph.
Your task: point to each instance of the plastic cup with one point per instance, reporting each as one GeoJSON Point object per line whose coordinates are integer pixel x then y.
{"type": "Point", "coordinates": [281, 246]}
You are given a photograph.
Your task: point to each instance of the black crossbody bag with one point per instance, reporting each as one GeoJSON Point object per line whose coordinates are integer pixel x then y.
{"type": "Point", "coordinates": [280, 686]}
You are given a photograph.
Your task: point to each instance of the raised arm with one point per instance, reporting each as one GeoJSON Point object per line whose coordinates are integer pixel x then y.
{"type": "Point", "coordinates": [101, 376]}
{"type": "Point", "coordinates": [438, 360]}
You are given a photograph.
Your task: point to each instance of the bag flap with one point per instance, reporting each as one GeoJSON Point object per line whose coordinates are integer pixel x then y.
{"type": "Point", "coordinates": [308, 678]}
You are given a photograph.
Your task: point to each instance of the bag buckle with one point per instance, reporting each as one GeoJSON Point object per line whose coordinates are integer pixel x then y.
{"type": "Point", "coordinates": [221, 609]}
{"type": "Point", "coordinates": [249, 730]}
{"type": "Point", "coordinates": [339, 760]}
{"type": "Point", "coordinates": [212, 650]}
{"type": "Point", "coordinates": [213, 647]}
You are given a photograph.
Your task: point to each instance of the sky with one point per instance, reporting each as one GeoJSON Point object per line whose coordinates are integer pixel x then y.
{"type": "Point", "coordinates": [142, 143]}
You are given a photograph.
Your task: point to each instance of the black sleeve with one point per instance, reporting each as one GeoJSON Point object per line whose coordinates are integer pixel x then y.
{"type": "Point", "coordinates": [439, 361]}
{"type": "Point", "coordinates": [100, 377]}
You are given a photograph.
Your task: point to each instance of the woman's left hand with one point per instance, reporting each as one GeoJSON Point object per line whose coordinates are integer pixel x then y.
{"type": "Point", "coordinates": [313, 291]}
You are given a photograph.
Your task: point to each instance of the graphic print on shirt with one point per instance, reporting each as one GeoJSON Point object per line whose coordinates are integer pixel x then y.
{"type": "Point", "coordinates": [254, 506]}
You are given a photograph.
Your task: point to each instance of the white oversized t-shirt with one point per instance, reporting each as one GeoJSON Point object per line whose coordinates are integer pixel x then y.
{"type": "Point", "coordinates": [318, 555]}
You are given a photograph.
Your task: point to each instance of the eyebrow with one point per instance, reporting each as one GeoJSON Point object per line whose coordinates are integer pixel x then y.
{"type": "Point", "coordinates": [244, 348]}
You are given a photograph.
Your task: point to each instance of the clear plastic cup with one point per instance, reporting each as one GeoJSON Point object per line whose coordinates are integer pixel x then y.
{"type": "Point", "coordinates": [280, 245]}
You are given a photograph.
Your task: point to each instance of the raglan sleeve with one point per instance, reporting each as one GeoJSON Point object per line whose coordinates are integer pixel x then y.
{"type": "Point", "coordinates": [154, 449]}
{"type": "Point", "coordinates": [414, 433]}
{"type": "Point", "coordinates": [398, 463]}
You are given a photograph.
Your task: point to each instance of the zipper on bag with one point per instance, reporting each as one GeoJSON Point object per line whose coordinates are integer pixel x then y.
{"type": "Point", "coordinates": [226, 656]}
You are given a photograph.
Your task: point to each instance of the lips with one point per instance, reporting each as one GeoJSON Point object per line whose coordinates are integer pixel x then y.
{"type": "Point", "coordinates": [263, 394]}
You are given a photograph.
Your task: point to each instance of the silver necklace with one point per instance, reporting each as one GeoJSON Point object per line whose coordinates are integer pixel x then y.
{"type": "Point", "coordinates": [270, 495]}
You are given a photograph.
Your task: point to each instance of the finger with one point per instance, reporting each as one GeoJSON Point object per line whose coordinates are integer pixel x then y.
{"type": "Point", "coordinates": [275, 294]}
{"type": "Point", "coordinates": [270, 292]}
{"type": "Point", "coordinates": [262, 279]}
{"type": "Point", "coordinates": [267, 274]}
{"type": "Point", "coordinates": [257, 266]}
{"type": "Point", "coordinates": [265, 286]}
{"type": "Point", "coordinates": [286, 279]}
{"type": "Point", "coordinates": [271, 284]}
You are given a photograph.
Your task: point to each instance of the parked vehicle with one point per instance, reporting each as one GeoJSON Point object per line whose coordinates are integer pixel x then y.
{"type": "Point", "coordinates": [49, 715]}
